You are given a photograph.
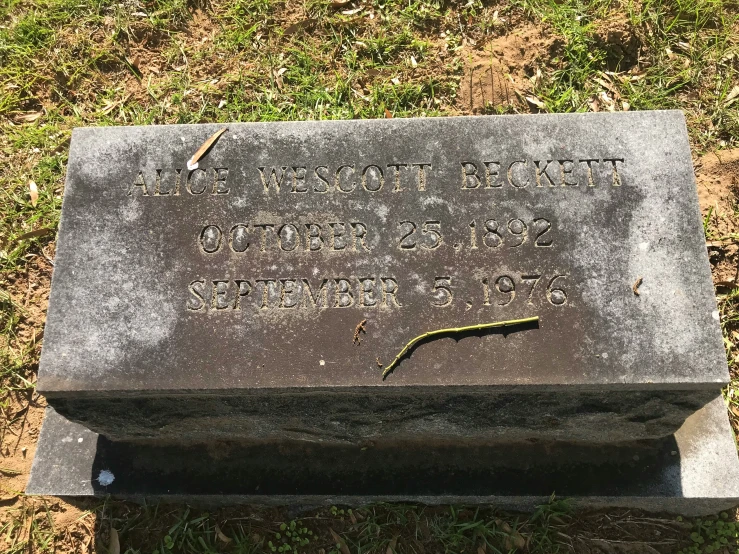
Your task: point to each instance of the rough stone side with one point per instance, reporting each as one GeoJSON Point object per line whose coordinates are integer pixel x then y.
{"type": "Point", "coordinates": [439, 417]}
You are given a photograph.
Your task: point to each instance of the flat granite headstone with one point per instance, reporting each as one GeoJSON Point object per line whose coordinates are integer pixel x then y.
{"type": "Point", "coordinates": [260, 294]}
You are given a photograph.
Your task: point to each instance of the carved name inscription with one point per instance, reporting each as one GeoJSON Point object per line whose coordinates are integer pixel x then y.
{"type": "Point", "coordinates": [349, 178]}
{"type": "Point", "coordinates": [296, 238]}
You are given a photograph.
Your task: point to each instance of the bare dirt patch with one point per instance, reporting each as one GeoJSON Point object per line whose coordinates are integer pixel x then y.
{"type": "Point", "coordinates": [35, 524]}
{"type": "Point", "coordinates": [29, 291]}
{"type": "Point", "coordinates": [18, 447]}
{"type": "Point", "coordinates": [21, 408]}
{"type": "Point", "coordinates": [32, 520]}
{"type": "Point", "coordinates": [620, 40]}
{"type": "Point", "coordinates": [498, 75]}
{"type": "Point", "coordinates": [718, 183]}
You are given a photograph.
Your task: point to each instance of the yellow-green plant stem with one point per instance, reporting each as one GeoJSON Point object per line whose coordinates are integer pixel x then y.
{"type": "Point", "coordinates": [477, 327]}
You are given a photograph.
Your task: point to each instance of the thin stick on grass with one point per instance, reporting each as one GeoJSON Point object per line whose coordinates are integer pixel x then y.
{"type": "Point", "coordinates": [477, 327]}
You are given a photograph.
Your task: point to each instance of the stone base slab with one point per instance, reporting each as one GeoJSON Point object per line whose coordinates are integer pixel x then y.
{"type": "Point", "coordinates": [693, 472]}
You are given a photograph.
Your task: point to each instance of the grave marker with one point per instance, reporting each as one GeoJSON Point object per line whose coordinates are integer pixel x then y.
{"type": "Point", "coordinates": [233, 302]}
{"type": "Point", "coordinates": [184, 298]}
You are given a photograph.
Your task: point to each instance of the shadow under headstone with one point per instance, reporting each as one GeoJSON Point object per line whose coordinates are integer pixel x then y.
{"type": "Point", "coordinates": [304, 469]}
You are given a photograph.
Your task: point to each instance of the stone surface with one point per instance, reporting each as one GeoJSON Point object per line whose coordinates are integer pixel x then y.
{"type": "Point", "coordinates": [694, 472]}
{"type": "Point", "coordinates": [205, 292]}
{"type": "Point", "coordinates": [439, 416]}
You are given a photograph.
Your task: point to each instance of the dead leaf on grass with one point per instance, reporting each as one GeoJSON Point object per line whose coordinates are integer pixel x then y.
{"type": "Point", "coordinates": [278, 77]}
{"type": "Point", "coordinates": [352, 12]}
{"type": "Point", "coordinates": [300, 25]}
{"type": "Point", "coordinates": [391, 545]}
{"type": "Point", "coordinates": [731, 97]}
{"type": "Point", "coordinates": [33, 193]}
{"type": "Point", "coordinates": [221, 536]}
{"type": "Point", "coordinates": [503, 525]}
{"type": "Point", "coordinates": [607, 101]}
{"type": "Point", "coordinates": [29, 117]}
{"type": "Point", "coordinates": [114, 547]}
{"type": "Point", "coordinates": [536, 102]}
{"type": "Point", "coordinates": [134, 62]}
{"type": "Point", "coordinates": [25, 532]}
{"type": "Point", "coordinates": [33, 234]}
{"type": "Point", "coordinates": [336, 4]}
{"type": "Point", "coordinates": [388, 115]}
{"type": "Point", "coordinates": [109, 106]}
{"type": "Point", "coordinates": [340, 542]}
{"type": "Point", "coordinates": [192, 163]}
{"type": "Point", "coordinates": [515, 540]}
{"type": "Point", "coordinates": [726, 284]}
{"type": "Point", "coordinates": [65, 142]}
{"type": "Point", "coordinates": [608, 86]}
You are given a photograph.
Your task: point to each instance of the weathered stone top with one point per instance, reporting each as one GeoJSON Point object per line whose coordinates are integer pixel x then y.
{"type": "Point", "coordinates": [256, 269]}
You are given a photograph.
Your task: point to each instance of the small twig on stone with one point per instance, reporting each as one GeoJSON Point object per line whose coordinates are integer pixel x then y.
{"type": "Point", "coordinates": [636, 285]}
{"type": "Point", "coordinates": [478, 327]}
{"type": "Point", "coordinates": [358, 330]}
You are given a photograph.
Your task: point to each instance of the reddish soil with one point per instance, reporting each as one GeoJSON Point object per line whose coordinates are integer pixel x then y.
{"type": "Point", "coordinates": [718, 183]}
{"type": "Point", "coordinates": [499, 75]}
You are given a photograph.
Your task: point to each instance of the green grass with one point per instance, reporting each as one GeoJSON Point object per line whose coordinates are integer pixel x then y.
{"type": "Point", "coordinates": [383, 528]}
{"type": "Point", "coordinates": [685, 57]}
{"type": "Point", "coordinates": [75, 61]}
{"type": "Point", "coordinates": [713, 535]}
